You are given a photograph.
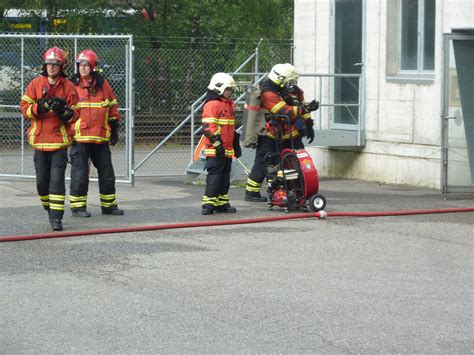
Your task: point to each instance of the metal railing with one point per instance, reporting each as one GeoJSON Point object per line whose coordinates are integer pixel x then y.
{"type": "Point", "coordinates": [328, 120]}
{"type": "Point", "coordinates": [323, 85]}
{"type": "Point", "coordinates": [254, 59]}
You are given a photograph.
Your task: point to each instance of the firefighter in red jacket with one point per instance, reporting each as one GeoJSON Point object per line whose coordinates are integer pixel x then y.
{"type": "Point", "coordinates": [49, 103]}
{"type": "Point", "coordinates": [280, 96]}
{"type": "Point", "coordinates": [96, 128]}
{"type": "Point", "coordinates": [218, 123]}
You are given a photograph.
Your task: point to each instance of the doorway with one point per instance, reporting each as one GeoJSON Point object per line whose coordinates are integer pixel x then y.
{"type": "Point", "coordinates": [458, 112]}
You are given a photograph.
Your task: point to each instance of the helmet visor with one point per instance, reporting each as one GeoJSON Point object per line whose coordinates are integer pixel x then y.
{"type": "Point", "coordinates": [53, 61]}
{"type": "Point", "coordinates": [84, 62]}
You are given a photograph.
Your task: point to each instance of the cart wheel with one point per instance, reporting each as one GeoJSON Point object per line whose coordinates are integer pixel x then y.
{"type": "Point", "coordinates": [317, 202]}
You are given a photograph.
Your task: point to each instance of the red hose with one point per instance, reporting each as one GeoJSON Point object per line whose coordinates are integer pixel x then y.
{"type": "Point", "coordinates": [321, 214]}
{"type": "Point", "coordinates": [399, 213]}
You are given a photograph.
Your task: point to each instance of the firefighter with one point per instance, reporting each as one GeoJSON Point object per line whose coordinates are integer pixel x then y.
{"type": "Point", "coordinates": [281, 96]}
{"type": "Point", "coordinates": [96, 129]}
{"type": "Point", "coordinates": [221, 143]}
{"type": "Point", "coordinates": [49, 103]}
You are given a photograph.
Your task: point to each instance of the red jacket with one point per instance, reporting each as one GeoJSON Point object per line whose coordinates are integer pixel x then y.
{"type": "Point", "coordinates": [274, 102]}
{"type": "Point", "coordinates": [98, 106]}
{"type": "Point", "coordinates": [218, 118]}
{"type": "Point", "coordinates": [47, 132]}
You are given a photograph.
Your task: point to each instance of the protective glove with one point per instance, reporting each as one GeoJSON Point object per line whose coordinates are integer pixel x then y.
{"type": "Point", "coordinates": [114, 125]}
{"type": "Point", "coordinates": [237, 147]}
{"type": "Point", "coordinates": [43, 105]}
{"type": "Point", "coordinates": [217, 144]}
{"type": "Point", "coordinates": [293, 95]}
{"type": "Point", "coordinates": [66, 114]}
{"type": "Point", "coordinates": [57, 104]}
{"type": "Point", "coordinates": [312, 106]}
{"type": "Point", "coordinates": [61, 109]}
{"type": "Point", "coordinates": [309, 130]}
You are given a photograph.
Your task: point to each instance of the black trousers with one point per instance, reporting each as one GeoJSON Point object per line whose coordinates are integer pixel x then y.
{"type": "Point", "coordinates": [50, 170]}
{"type": "Point", "coordinates": [101, 157]}
{"type": "Point", "coordinates": [217, 182]}
{"type": "Point", "coordinates": [266, 145]}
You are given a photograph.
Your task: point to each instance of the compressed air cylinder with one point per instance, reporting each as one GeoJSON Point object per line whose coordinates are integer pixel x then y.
{"type": "Point", "coordinates": [254, 118]}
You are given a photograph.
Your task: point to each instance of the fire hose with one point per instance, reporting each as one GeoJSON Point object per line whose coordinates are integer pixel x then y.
{"type": "Point", "coordinates": [320, 215]}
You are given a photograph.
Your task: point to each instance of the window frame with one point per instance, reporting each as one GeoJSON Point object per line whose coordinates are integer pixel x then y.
{"type": "Point", "coordinates": [361, 98]}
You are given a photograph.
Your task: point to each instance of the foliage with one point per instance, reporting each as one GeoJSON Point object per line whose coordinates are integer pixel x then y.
{"type": "Point", "coordinates": [206, 21]}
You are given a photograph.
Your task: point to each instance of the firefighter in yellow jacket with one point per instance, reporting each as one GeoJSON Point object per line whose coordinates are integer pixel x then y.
{"type": "Point", "coordinates": [49, 103]}
{"type": "Point", "coordinates": [96, 128]}
{"type": "Point", "coordinates": [218, 123]}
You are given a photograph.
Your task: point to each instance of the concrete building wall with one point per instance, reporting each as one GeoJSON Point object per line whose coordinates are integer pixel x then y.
{"type": "Point", "coordinates": [403, 119]}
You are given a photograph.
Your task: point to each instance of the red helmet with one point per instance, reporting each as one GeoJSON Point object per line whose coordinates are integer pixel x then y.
{"type": "Point", "coordinates": [54, 55]}
{"type": "Point", "coordinates": [87, 56]}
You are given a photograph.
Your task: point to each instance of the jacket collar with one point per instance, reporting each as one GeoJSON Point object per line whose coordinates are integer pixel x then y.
{"type": "Point", "coordinates": [268, 85]}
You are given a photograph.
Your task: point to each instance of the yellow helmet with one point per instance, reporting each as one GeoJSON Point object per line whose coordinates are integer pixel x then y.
{"type": "Point", "coordinates": [283, 74]}
{"type": "Point", "coordinates": [220, 82]}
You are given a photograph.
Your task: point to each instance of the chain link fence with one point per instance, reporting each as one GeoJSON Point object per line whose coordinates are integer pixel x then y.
{"type": "Point", "coordinates": [169, 84]}
{"type": "Point", "coordinates": [157, 83]}
{"type": "Point", "coordinates": [21, 60]}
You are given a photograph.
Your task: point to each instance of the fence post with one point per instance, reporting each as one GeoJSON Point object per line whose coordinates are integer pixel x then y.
{"type": "Point", "coordinates": [257, 60]}
{"type": "Point", "coordinates": [192, 132]}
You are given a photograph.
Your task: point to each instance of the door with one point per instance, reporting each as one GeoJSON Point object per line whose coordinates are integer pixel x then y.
{"type": "Point", "coordinates": [458, 113]}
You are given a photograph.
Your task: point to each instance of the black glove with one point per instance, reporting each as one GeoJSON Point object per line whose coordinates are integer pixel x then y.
{"type": "Point", "coordinates": [57, 104]}
{"type": "Point", "coordinates": [309, 130]}
{"type": "Point", "coordinates": [237, 147]}
{"type": "Point", "coordinates": [43, 106]}
{"type": "Point", "coordinates": [312, 106]}
{"type": "Point", "coordinates": [217, 144]}
{"type": "Point", "coordinates": [66, 115]}
{"type": "Point", "coordinates": [61, 109]}
{"type": "Point", "coordinates": [114, 125]}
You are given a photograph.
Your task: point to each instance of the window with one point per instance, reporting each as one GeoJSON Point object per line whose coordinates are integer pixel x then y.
{"type": "Point", "coordinates": [410, 39]}
{"type": "Point", "coordinates": [417, 20]}
{"type": "Point", "coordinates": [347, 52]}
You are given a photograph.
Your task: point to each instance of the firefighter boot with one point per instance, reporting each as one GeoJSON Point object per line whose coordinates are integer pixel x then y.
{"type": "Point", "coordinates": [207, 209]}
{"type": "Point", "coordinates": [80, 212]}
{"type": "Point", "coordinates": [56, 224]}
{"type": "Point", "coordinates": [113, 210]}
{"type": "Point", "coordinates": [254, 197]}
{"type": "Point", "coordinates": [55, 219]}
{"type": "Point", "coordinates": [227, 208]}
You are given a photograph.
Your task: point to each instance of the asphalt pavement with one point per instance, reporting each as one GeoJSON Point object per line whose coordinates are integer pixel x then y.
{"type": "Point", "coordinates": [396, 284]}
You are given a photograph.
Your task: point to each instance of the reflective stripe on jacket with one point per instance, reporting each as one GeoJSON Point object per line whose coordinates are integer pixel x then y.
{"type": "Point", "coordinates": [47, 132]}
{"type": "Point", "coordinates": [98, 106]}
{"type": "Point", "coordinates": [218, 118]}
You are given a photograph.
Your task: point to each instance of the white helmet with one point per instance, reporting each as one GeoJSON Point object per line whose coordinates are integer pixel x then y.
{"type": "Point", "coordinates": [220, 82]}
{"type": "Point", "coordinates": [283, 74]}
